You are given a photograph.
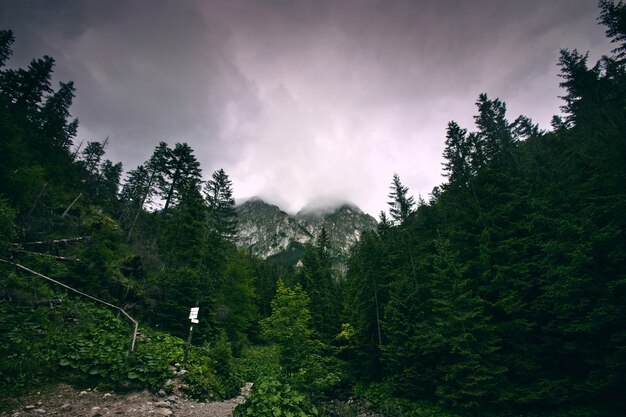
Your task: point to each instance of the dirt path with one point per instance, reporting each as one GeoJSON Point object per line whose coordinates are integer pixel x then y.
{"type": "Point", "coordinates": [64, 400]}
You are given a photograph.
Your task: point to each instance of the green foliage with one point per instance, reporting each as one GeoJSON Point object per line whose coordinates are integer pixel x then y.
{"type": "Point", "coordinates": [238, 301]}
{"type": "Point", "coordinates": [103, 356]}
{"type": "Point", "coordinates": [317, 281]}
{"type": "Point", "coordinates": [366, 294]}
{"type": "Point", "coordinates": [221, 205]}
{"type": "Point", "coordinates": [212, 373]}
{"type": "Point", "coordinates": [381, 398]}
{"type": "Point", "coordinates": [89, 343]}
{"type": "Point", "coordinates": [270, 398]}
{"type": "Point", "coordinates": [84, 344]}
{"type": "Point", "coordinates": [321, 375]}
{"type": "Point", "coordinates": [257, 362]}
{"type": "Point", "coordinates": [289, 326]}
{"type": "Point", "coordinates": [401, 204]}
{"type": "Point", "coordinates": [7, 226]}
{"type": "Point", "coordinates": [505, 293]}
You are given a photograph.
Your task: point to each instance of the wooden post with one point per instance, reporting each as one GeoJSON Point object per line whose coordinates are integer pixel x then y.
{"type": "Point", "coordinates": [187, 347]}
{"type": "Point", "coordinates": [193, 316]}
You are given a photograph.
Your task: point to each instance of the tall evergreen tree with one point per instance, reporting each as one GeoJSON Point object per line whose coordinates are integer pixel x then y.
{"type": "Point", "coordinates": [613, 17]}
{"type": "Point", "coordinates": [401, 204]}
{"type": "Point", "coordinates": [222, 215]}
{"type": "Point", "coordinates": [364, 302]}
{"type": "Point", "coordinates": [289, 326]}
{"type": "Point", "coordinates": [182, 174]}
{"type": "Point", "coordinates": [316, 279]}
{"type": "Point", "coordinates": [457, 155]}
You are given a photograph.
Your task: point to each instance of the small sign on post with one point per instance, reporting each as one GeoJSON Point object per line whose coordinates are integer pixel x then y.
{"type": "Point", "coordinates": [193, 316]}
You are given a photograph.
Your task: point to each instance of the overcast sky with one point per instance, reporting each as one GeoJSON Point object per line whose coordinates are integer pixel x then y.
{"type": "Point", "coordinates": [302, 100]}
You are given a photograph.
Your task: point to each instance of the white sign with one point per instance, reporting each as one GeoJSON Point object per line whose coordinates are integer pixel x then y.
{"type": "Point", "coordinates": [193, 314]}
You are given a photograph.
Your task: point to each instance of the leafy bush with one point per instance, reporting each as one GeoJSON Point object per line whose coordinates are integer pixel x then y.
{"type": "Point", "coordinates": [102, 355]}
{"type": "Point", "coordinates": [380, 398]}
{"type": "Point", "coordinates": [211, 372]}
{"type": "Point", "coordinates": [257, 362]}
{"type": "Point", "coordinates": [321, 375]}
{"type": "Point", "coordinates": [270, 398]}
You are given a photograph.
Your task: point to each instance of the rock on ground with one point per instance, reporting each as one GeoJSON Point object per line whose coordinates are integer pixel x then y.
{"type": "Point", "coordinates": [63, 400]}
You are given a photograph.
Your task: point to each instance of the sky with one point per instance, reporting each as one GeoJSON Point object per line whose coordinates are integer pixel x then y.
{"type": "Point", "coordinates": [302, 102]}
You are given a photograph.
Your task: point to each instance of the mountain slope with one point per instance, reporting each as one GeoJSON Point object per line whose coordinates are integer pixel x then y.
{"type": "Point", "coordinates": [266, 231]}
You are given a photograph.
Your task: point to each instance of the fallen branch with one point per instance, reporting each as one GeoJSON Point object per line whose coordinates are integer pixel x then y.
{"type": "Point", "coordinates": [135, 323]}
{"type": "Point", "coordinates": [70, 206]}
{"type": "Point", "coordinates": [58, 258]}
{"type": "Point", "coordinates": [43, 242]}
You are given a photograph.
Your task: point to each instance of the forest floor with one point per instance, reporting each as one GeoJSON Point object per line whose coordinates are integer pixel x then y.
{"type": "Point", "coordinates": [64, 400]}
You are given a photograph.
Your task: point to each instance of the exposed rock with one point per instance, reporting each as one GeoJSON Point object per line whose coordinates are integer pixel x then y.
{"type": "Point", "coordinates": [267, 231]}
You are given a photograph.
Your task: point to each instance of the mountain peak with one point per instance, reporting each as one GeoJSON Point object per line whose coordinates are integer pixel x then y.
{"type": "Point", "coordinates": [266, 230]}
{"type": "Point", "coordinates": [324, 207]}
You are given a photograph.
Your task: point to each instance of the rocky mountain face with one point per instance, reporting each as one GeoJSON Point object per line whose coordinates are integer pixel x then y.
{"type": "Point", "coordinates": [267, 231]}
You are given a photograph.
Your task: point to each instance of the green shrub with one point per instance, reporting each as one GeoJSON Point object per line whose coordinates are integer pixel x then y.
{"type": "Point", "coordinates": [270, 398]}
{"type": "Point", "coordinates": [102, 355]}
{"type": "Point", "coordinates": [257, 362]}
{"type": "Point", "coordinates": [212, 374]}
{"type": "Point", "coordinates": [320, 375]}
{"type": "Point", "coordinates": [380, 397]}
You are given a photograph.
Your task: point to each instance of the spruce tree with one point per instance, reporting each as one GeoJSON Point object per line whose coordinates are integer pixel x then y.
{"type": "Point", "coordinates": [222, 216]}
{"type": "Point", "coordinates": [289, 326]}
{"type": "Point", "coordinates": [401, 205]}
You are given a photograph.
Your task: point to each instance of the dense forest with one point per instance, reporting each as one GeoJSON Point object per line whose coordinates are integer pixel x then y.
{"type": "Point", "coordinates": [503, 294]}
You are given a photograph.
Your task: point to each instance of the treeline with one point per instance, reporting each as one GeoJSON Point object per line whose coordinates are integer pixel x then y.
{"type": "Point", "coordinates": [507, 290]}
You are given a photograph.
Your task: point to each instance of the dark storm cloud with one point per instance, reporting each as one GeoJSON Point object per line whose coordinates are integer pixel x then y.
{"type": "Point", "coordinates": [300, 100]}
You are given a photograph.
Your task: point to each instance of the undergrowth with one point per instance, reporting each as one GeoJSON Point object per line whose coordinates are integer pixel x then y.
{"type": "Point", "coordinates": [85, 345]}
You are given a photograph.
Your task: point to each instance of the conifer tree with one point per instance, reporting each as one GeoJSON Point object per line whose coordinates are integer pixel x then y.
{"type": "Point", "coordinates": [613, 16]}
{"type": "Point", "coordinates": [364, 304]}
{"type": "Point", "coordinates": [457, 155]}
{"type": "Point", "coordinates": [182, 173]}
{"type": "Point", "coordinates": [401, 205]}
{"type": "Point", "coordinates": [222, 215]}
{"type": "Point", "coordinates": [238, 301]}
{"type": "Point", "coordinates": [6, 40]}
{"type": "Point", "coordinates": [317, 280]}
{"type": "Point", "coordinates": [289, 326]}
{"type": "Point", "coordinates": [468, 372]}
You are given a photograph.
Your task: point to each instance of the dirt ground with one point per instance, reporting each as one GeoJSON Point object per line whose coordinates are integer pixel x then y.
{"type": "Point", "coordinates": [63, 400]}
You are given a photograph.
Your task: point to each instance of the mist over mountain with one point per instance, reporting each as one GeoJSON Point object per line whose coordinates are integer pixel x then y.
{"type": "Point", "coordinates": [268, 231]}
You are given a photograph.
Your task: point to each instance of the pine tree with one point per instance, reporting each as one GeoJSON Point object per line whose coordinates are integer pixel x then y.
{"type": "Point", "coordinates": [316, 279]}
{"type": "Point", "coordinates": [401, 205]}
{"type": "Point", "coordinates": [182, 174]}
{"type": "Point", "coordinates": [6, 40]}
{"type": "Point", "coordinates": [364, 303]}
{"type": "Point", "coordinates": [457, 155]}
{"type": "Point", "coordinates": [238, 301]}
{"type": "Point", "coordinates": [613, 16]}
{"type": "Point", "coordinates": [222, 215]}
{"type": "Point", "coordinates": [468, 372]}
